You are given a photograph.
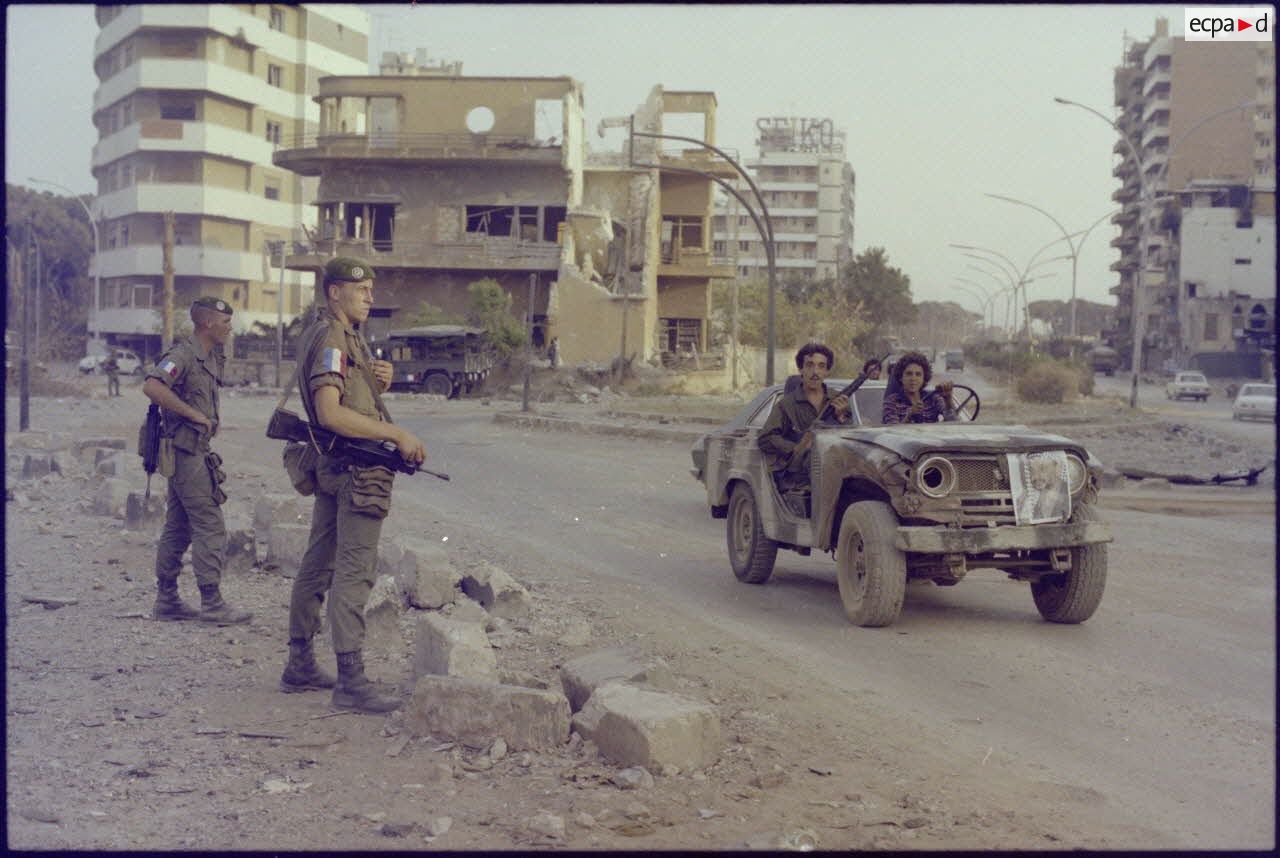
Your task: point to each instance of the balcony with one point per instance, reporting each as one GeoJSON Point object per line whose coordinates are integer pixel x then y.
{"type": "Point", "coordinates": [703, 160]}
{"type": "Point", "coordinates": [679, 261]}
{"type": "Point", "coordinates": [1154, 162]}
{"type": "Point", "coordinates": [308, 154]}
{"type": "Point", "coordinates": [480, 254]}
{"type": "Point", "coordinates": [1158, 77]}
{"type": "Point", "coordinates": [196, 75]}
{"type": "Point", "coordinates": [193, 198]}
{"type": "Point", "coordinates": [1154, 135]}
{"type": "Point", "coordinates": [188, 261]}
{"type": "Point", "coordinates": [1124, 240]}
{"type": "Point", "coordinates": [175, 135]}
{"type": "Point", "coordinates": [1159, 103]}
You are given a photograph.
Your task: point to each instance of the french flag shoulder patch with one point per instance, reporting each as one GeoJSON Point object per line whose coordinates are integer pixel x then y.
{"type": "Point", "coordinates": [335, 361]}
{"type": "Point", "coordinates": [169, 368]}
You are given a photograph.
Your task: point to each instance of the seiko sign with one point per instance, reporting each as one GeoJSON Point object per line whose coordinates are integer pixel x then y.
{"type": "Point", "coordinates": [797, 134]}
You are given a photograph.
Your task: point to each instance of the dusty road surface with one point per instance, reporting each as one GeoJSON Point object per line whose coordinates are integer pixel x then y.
{"type": "Point", "coordinates": [969, 724]}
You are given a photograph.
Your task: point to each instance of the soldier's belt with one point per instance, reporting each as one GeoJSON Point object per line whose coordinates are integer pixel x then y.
{"type": "Point", "coordinates": [975, 540]}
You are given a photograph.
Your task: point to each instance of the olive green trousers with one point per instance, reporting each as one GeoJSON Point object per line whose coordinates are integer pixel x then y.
{"type": "Point", "coordinates": [194, 519]}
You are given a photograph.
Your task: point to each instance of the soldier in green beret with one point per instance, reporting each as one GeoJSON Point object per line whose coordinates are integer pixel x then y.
{"type": "Point", "coordinates": [184, 383]}
{"type": "Point", "coordinates": [341, 386]}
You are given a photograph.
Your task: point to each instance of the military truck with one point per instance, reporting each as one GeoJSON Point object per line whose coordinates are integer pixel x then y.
{"type": "Point", "coordinates": [1104, 359]}
{"type": "Point", "coordinates": [445, 360]}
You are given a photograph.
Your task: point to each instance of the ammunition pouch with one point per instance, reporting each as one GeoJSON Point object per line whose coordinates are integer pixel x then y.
{"type": "Point", "coordinates": [300, 461]}
{"type": "Point", "coordinates": [371, 490]}
{"type": "Point", "coordinates": [217, 476]}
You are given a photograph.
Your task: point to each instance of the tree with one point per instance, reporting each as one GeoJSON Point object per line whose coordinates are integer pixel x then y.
{"type": "Point", "coordinates": [805, 310]}
{"type": "Point", "coordinates": [491, 310]}
{"type": "Point", "coordinates": [883, 293]}
{"type": "Point", "coordinates": [66, 245]}
{"type": "Point", "coordinates": [429, 314]}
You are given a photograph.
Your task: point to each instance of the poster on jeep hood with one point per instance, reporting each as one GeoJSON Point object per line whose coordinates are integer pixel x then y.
{"type": "Point", "coordinates": [1038, 482]}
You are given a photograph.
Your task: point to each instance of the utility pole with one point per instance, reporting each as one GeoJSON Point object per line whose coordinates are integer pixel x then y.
{"type": "Point", "coordinates": [528, 340]}
{"type": "Point", "coordinates": [166, 313]}
{"type": "Point", "coordinates": [24, 365]}
{"type": "Point", "coordinates": [280, 316]}
{"type": "Point", "coordinates": [624, 280]}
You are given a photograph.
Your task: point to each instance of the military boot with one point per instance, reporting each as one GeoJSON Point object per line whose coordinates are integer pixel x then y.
{"type": "Point", "coordinates": [356, 691]}
{"type": "Point", "coordinates": [169, 605]}
{"type": "Point", "coordinates": [302, 673]}
{"type": "Point", "coordinates": [214, 610]}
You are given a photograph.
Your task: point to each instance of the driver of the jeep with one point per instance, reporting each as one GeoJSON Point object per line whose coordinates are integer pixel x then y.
{"type": "Point", "coordinates": [786, 438]}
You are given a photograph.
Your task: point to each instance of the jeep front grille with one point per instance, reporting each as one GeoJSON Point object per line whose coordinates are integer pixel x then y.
{"type": "Point", "coordinates": [981, 509]}
{"type": "Point", "coordinates": [980, 474]}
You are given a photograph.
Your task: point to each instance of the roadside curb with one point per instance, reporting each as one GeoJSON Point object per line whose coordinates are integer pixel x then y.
{"type": "Point", "coordinates": [595, 427]}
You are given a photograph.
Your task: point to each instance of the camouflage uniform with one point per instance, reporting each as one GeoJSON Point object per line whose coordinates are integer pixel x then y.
{"type": "Point", "coordinates": [346, 519]}
{"type": "Point", "coordinates": [194, 514]}
{"type": "Point", "coordinates": [792, 415]}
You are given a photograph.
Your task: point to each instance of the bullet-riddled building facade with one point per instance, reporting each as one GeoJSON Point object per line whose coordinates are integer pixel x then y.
{"type": "Point", "coordinates": [191, 101]}
{"type": "Point", "coordinates": [442, 180]}
{"type": "Point", "coordinates": [1211, 234]}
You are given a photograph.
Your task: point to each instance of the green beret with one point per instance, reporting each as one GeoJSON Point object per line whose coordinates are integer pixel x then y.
{"type": "Point", "coordinates": [347, 269]}
{"type": "Point", "coordinates": [212, 303]}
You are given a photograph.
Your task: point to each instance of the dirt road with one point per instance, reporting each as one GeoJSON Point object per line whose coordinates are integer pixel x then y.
{"type": "Point", "coordinates": [969, 724]}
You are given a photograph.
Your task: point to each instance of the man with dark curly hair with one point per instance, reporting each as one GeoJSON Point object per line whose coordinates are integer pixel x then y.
{"type": "Point", "coordinates": [785, 439]}
{"type": "Point", "coordinates": [908, 403]}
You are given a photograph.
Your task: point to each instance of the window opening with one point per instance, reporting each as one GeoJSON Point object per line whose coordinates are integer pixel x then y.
{"type": "Point", "coordinates": [490, 220]}
{"type": "Point", "coordinates": [552, 217]}
{"type": "Point", "coordinates": [384, 216]}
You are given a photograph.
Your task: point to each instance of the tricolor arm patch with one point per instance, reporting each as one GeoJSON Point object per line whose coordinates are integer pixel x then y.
{"type": "Point", "coordinates": [169, 368]}
{"type": "Point", "coordinates": [333, 360]}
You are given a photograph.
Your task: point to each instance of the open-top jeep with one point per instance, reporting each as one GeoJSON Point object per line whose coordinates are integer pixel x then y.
{"type": "Point", "coordinates": [924, 501]}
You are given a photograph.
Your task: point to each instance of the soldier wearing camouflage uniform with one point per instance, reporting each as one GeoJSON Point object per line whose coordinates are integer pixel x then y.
{"type": "Point", "coordinates": [341, 385]}
{"type": "Point", "coordinates": [184, 383]}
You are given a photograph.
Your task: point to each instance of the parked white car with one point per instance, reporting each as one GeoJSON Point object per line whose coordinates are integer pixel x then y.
{"type": "Point", "coordinates": [130, 363]}
{"type": "Point", "coordinates": [1255, 401]}
{"type": "Point", "coordinates": [1189, 384]}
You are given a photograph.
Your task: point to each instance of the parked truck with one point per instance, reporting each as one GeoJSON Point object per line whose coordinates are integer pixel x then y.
{"type": "Point", "coordinates": [446, 360]}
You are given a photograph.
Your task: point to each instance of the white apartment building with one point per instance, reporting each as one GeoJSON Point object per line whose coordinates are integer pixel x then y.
{"type": "Point", "coordinates": [191, 102]}
{"type": "Point", "coordinates": [808, 187]}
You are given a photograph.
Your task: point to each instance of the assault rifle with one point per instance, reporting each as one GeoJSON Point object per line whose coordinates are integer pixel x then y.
{"type": "Point", "coordinates": [287, 426]}
{"type": "Point", "coordinates": [149, 443]}
{"type": "Point", "coordinates": [852, 386]}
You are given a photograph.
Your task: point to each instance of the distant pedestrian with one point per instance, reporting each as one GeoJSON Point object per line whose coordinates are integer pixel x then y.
{"type": "Point", "coordinates": [111, 366]}
{"type": "Point", "coordinates": [554, 352]}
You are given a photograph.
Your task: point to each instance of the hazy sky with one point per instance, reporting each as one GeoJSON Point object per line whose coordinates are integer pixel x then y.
{"type": "Point", "coordinates": [941, 104]}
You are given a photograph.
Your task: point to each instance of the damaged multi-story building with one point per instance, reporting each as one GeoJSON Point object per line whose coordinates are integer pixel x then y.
{"type": "Point", "coordinates": [441, 180]}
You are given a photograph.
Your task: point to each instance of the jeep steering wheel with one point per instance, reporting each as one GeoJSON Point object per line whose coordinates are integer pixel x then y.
{"type": "Point", "coordinates": [967, 407]}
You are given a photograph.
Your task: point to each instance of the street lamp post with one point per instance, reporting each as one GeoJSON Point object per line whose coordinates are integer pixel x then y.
{"type": "Point", "coordinates": [1146, 197]}
{"type": "Point", "coordinates": [763, 222]}
{"type": "Point", "coordinates": [1075, 249]}
{"type": "Point", "coordinates": [981, 299]}
{"type": "Point", "coordinates": [97, 254]}
{"type": "Point", "coordinates": [986, 298]}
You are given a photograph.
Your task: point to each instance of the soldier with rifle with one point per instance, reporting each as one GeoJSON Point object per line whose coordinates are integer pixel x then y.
{"type": "Point", "coordinates": [341, 385]}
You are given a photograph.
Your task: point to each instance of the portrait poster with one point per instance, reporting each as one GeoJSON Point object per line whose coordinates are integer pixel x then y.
{"type": "Point", "coordinates": [1038, 482]}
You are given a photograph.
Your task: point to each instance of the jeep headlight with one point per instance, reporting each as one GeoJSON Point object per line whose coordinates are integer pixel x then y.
{"type": "Point", "coordinates": [1077, 474]}
{"type": "Point", "coordinates": [936, 477]}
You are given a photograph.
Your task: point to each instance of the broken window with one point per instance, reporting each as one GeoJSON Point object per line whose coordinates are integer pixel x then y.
{"type": "Point", "coordinates": [1210, 326]}
{"type": "Point", "coordinates": [178, 110]}
{"type": "Point", "coordinates": [680, 335]}
{"type": "Point", "coordinates": [528, 224]}
{"type": "Point", "coordinates": [552, 217]}
{"type": "Point", "coordinates": [383, 216]}
{"type": "Point", "coordinates": [490, 220]}
{"type": "Point", "coordinates": [680, 233]}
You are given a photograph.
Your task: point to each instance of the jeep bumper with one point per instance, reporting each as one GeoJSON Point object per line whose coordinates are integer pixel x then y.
{"type": "Point", "coordinates": [979, 540]}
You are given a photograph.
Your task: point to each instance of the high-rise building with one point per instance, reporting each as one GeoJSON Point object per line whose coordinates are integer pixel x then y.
{"type": "Point", "coordinates": [808, 187]}
{"type": "Point", "coordinates": [191, 102]}
{"type": "Point", "coordinates": [1174, 101]}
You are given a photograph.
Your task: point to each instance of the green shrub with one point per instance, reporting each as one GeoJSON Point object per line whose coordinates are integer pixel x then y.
{"type": "Point", "coordinates": [1048, 381]}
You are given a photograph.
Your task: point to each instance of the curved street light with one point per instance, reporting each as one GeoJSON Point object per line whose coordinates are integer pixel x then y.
{"type": "Point", "coordinates": [1146, 197]}
{"type": "Point", "coordinates": [981, 299]}
{"type": "Point", "coordinates": [97, 252]}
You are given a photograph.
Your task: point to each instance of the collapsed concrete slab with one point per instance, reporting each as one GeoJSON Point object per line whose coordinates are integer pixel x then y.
{"type": "Point", "coordinates": [382, 616]}
{"type": "Point", "coordinates": [242, 549]}
{"type": "Point", "coordinates": [36, 465]}
{"type": "Point", "coordinates": [583, 675]}
{"type": "Point", "coordinates": [496, 591]}
{"type": "Point", "coordinates": [274, 509]}
{"type": "Point", "coordinates": [286, 543]}
{"type": "Point", "coordinates": [450, 647]}
{"type": "Point", "coordinates": [111, 497]}
{"type": "Point", "coordinates": [473, 711]}
{"type": "Point", "coordinates": [638, 727]}
{"type": "Point", "coordinates": [426, 573]}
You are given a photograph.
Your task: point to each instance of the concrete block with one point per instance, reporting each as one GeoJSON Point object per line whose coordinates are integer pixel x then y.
{"type": "Point", "coordinates": [476, 712]}
{"type": "Point", "coordinates": [64, 462]}
{"type": "Point", "coordinates": [496, 591]}
{"type": "Point", "coordinates": [280, 509]}
{"type": "Point", "coordinates": [111, 465]}
{"type": "Point", "coordinates": [39, 440]}
{"type": "Point", "coordinates": [426, 574]}
{"type": "Point", "coordinates": [36, 465]}
{"type": "Point", "coordinates": [286, 543]}
{"type": "Point", "coordinates": [111, 497]}
{"type": "Point", "coordinates": [638, 727]}
{"type": "Point", "coordinates": [451, 647]}
{"type": "Point", "coordinates": [242, 549]}
{"type": "Point", "coordinates": [108, 443]}
{"type": "Point", "coordinates": [390, 551]}
{"type": "Point", "coordinates": [583, 675]}
{"type": "Point", "coordinates": [382, 616]}
{"type": "Point", "coordinates": [141, 511]}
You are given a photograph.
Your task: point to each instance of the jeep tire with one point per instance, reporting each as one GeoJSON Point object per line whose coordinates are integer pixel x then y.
{"type": "Point", "coordinates": [751, 553]}
{"type": "Point", "coordinates": [871, 571]}
{"type": "Point", "coordinates": [438, 383]}
{"type": "Point", "coordinates": [1073, 596]}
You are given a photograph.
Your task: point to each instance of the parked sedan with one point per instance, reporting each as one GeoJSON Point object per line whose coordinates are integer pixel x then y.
{"type": "Point", "coordinates": [130, 363]}
{"type": "Point", "coordinates": [1255, 401]}
{"type": "Point", "coordinates": [1189, 384]}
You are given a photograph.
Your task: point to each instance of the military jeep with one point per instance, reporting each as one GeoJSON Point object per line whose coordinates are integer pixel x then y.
{"type": "Point", "coordinates": [924, 501]}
